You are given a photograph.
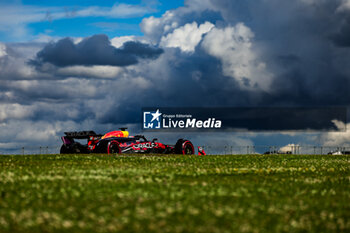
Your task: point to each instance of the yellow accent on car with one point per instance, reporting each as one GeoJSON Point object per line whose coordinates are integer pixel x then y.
{"type": "Point", "coordinates": [118, 134]}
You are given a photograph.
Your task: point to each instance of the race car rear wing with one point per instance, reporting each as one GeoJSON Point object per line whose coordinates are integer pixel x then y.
{"type": "Point", "coordinates": [70, 136]}
{"type": "Point", "coordinates": [82, 134]}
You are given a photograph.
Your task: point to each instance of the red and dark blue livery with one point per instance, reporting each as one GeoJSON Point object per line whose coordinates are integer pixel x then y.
{"type": "Point", "coordinates": [118, 142]}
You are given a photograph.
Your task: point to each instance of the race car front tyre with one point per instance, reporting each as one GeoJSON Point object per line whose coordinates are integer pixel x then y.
{"type": "Point", "coordinates": [113, 147]}
{"type": "Point", "coordinates": [188, 148]}
{"type": "Point", "coordinates": [184, 147]}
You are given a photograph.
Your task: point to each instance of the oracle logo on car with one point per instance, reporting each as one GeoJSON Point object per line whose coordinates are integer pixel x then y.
{"type": "Point", "coordinates": [147, 145]}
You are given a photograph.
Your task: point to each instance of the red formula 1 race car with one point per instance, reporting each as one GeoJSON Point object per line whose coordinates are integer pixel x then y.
{"type": "Point", "coordinates": [117, 142]}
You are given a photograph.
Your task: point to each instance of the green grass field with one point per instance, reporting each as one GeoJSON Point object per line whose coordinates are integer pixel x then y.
{"type": "Point", "coordinates": [227, 193]}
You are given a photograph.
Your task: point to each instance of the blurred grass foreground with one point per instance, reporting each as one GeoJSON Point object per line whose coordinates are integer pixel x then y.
{"type": "Point", "coordinates": [173, 193]}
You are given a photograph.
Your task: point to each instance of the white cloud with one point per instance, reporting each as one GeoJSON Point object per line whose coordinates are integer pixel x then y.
{"type": "Point", "coordinates": [341, 138]}
{"type": "Point", "coordinates": [288, 148]}
{"type": "Point", "coordinates": [45, 38]}
{"type": "Point", "coordinates": [137, 83]}
{"type": "Point", "coordinates": [18, 14]}
{"type": "Point", "coordinates": [234, 47]}
{"type": "Point", "coordinates": [40, 133]}
{"type": "Point", "coordinates": [150, 24]}
{"type": "Point", "coordinates": [155, 28]}
{"type": "Point", "coordinates": [43, 133]}
{"type": "Point", "coordinates": [46, 90]}
{"type": "Point", "coordinates": [14, 111]}
{"type": "Point", "coordinates": [117, 11]}
{"type": "Point", "coordinates": [2, 50]}
{"type": "Point", "coordinates": [344, 6]}
{"type": "Point", "coordinates": [90, 71]}
{"type": "Point", "coordinates": [15, 18]}
{"type": "Point", "coordinates": [14, 65]}
{"type": "Point", "coordinates": [119, 41]}
{"type": "Point", "coordinates": [186, 37]}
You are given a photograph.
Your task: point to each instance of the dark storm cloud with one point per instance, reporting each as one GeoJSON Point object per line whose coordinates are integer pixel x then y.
{"type": "Point", "coordinates": [342, 37]}
{"type": "Point", "coordinates": [296, 42]}
{"type": "Point", "coordinates": [195, 81]}
{"type": "Point", "coordinates": [95, 50]}
{"type": "Point", "coordinates": [297, 39]}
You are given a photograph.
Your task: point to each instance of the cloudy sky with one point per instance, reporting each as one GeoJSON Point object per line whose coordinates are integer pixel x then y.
{"type": "Point", "coordinates": [82, 64]}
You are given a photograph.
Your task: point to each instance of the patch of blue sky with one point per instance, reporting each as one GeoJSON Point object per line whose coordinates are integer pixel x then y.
{"type": "Point", "coordinates": [81, 3]}
{"type": "Point", "coordinates": [83, 27]}
{"type": "Point", "coordinates": [77, 18]}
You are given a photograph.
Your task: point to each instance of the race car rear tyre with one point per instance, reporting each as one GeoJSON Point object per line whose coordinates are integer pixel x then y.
{"type": "Point", "coordinates": [184, 147]}
{"type": "Point", "coordinates": [64, 149]}
{"type": "Point", "coordinates": [75, 148]}
{"type": "Point", "coordinates": [113, 147]}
